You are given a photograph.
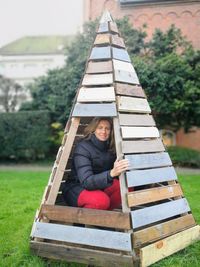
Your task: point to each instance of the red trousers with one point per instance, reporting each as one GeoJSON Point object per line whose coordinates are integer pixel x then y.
{"type": "Point", "coordinates": [107, 199]}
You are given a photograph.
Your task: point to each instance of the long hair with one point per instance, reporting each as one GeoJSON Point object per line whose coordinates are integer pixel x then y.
{"type": "Point", "coordinates": [90, 129]}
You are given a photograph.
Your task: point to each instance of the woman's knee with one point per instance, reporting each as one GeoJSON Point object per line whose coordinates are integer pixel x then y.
{"type": "Point", "coordinates": [94, 200]}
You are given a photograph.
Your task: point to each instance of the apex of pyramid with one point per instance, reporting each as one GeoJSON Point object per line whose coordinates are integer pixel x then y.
{"type": "Point", "coordinates": [106, 17]}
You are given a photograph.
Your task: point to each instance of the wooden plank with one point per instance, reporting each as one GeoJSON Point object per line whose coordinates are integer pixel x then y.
{"type": "Point", "coordinates": [83, 236]}
{"type": "Point", "coordinates": [150, 176]}
{"type": "Point", "coordinates": [123, 66]}
{"type": "Point", "coordinates": [80, 255]}
{"type": "Point", "coordinates": [129, 132]}
{"type": "Point", "coordinates": [142, 146]}
{"type": "Point", "coordinates": [102, 39]}
{"type": "Point", "coordinates": [165, 247]}
{"type": "Point", "coordinates": [129, 90]}
{"type": "Point", "coordinates": [95, 110]}
{"type": "Point", "coordinates": [126, 77]}
{"type": "Point", "coordinates": [153, 194]}
{"type": "Point", "coordinates": [100, 53]}
{"type": "Point", "coordinates": [104, 218]}
{"type": "Point", "coordinates": [99, 67]}
{"type": "Point", "coordinates": [95, 94]}
{"type": "Point", "coordinates": [159, 212]}
{"type": "Point", "coordinates": [150, 160]}
{"type": "Point", "coordinates": [159, 231]}
{"type": "Point", "coordinates": [136, 120]}
{"type": "Point", "coordinates": [103, 27]}
{"type": "Point", "coordinates": [120, 54]}
{"type": "Point", "coordinates": [132, 104]}
{"type": "Point", "coordinates": [99, 79]}
{"type": "Point", "coordinates": [118, 41]}
{"type": "Point", "coordinates": [113, 27]}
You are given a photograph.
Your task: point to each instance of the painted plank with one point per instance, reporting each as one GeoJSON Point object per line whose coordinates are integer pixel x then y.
{"type": "Point", "coordinates": [103, 27]}
{"type": "Point", "coordinates": [165, 247]}
{"type": "Point", "coordinates": [102, 39]}
{"type": "Point", "coordinates": [106, 17]}
{"type": "Point", "coordinates": [154, 194]}
{"type": "Point", "coordinates": [99, 79]}
{"type": "Point", "coordinates": [83, 236]}
{"type": "Point", "coordinates": [142, 146]}
{"type": "Point", "coordinates": [113, 27]}
{"type": "Point", "coordinates": [80, 255]}
{"type": "Point", "coordinates": [88, 110]}
{"type": "Point", "coordinates": [150, 160]}
{"type": "Point", "coordinates": [117, 41]}
{"type": "Point", "coordinates": [126, 77]}
{"type": "Point", "coordinates": [159, 231]}
{"type": "Point", "coordinates": [124, 66]}
{"type": "Point", "coordinates": [142, 177]}
{"type": "Point", "coordinates": [95, 94]}
{"type": "Point", "coordinates": [136, 120]}
{"type": "Point", "coordinates": [100, 53]}
{"type": "Point", "coordinates": [99, 67]}
{"type": "Point", "coordinates": [104, 218]}
{"type": "Point", "coordinates": [132, 104]}
{"type": "Point", "coordinates": [120, 54]}
{"type": "Point", "coordinates": [129, 132]}
{"type": "Point", "coordinates": [159, 212]}
{"type": "Point", "coordinates": [129, 90]}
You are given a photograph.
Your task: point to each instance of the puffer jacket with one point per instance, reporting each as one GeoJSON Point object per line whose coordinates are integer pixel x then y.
{"type": "Point", "coordinates": [91, 165]}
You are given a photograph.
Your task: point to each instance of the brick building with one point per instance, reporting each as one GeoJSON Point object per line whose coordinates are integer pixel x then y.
{"type": "Point", "coordinates": [157, 14]}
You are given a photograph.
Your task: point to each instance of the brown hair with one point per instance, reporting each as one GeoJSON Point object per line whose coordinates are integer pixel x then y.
{"type": "Point", "coordinates": [90, 129]}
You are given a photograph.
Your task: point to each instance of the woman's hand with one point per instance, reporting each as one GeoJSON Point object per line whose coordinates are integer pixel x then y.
{"type": "Point", "coordinates": [119, 167]}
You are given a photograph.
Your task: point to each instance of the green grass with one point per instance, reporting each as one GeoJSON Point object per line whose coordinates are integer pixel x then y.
{"type": "Point", "coordinates": [20, 196]}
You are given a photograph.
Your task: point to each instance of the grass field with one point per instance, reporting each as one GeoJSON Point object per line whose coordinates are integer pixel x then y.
{"type": "Point", "coordinates": [20, 196]}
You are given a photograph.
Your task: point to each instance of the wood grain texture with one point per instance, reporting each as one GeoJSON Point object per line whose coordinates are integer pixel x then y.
{"type": "Point", "coordinates": [162, 230]}
{"type": "Point", "coordinates": [126, 77]}
{"type": "Point", "coordinates": [159, 212]}
{"type": "Point", "coordinates": [113, 27]}
{"type": "Point", "coordinates": [154, 194]}
{"type": "Point", "coordinates": [99, 67]}
{"type": "Point", "coordinates": [100, 53]}
{"type": "Point", "coordinates": [142, 146]}
{"type": "Point", "coordinates": [136, 120]}
{"type": "Point", "coordinates": [117, 41]}
{"type": "Point", "coordinates": [129, 90]}
{"type": "Point", "coordinates": [165, 247]}
{"type": "Point", "coordinates": [150, 176]}
{"type": "Point", "coordinates": [129, 132]}
{"type": "Point", "coordinates": [120, 54]}
{"type": "Point", "coordinates": [102, 39]}
{"type": "Point", "coordinates": [98, 79]}
{"type": "Point", "coordinates": [104, 218]}
{"type": "Point", "coordinates": [132, 104]}
{"type": "Point", "coordinates": [103, 27]}
{"type": "Point", "coordinates": [94, 110]}
{"type": "Point", "coordinates": [96, 94]}
{"type": "Point", "coordinates": [83, 236]}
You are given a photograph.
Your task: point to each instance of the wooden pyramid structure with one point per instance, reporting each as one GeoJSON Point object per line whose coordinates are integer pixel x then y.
{"type": "Point", "coordinates": [155, 220]}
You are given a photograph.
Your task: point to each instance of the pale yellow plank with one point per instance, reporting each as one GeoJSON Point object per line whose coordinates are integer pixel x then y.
{"type": "Point", "coordinates": [106, 94]}
{"type": "Point", "coordinates": [97, 79]}
{"type": "Point", "coordinates": [133, 104]}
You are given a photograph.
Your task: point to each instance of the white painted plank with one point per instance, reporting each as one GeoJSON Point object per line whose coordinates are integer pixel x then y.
{"type": "Point", "coordinates": [126, 77]}
{"type": "Point", "coordinates": [139, 132]}
{"type": "Point", "coordinates": [159, 212]}
{"type": "Point", "coordinates": [103, 27]}
{"type": "Point", "coordinates": [83, 236]}
{"type": "Point", "coordinates": [120, 54]}
{"type": "Point", "coordinates": [133, 104]}
{"type": "Point", "coordinates": [95, 94]}
{"type": "Point", "coordinates": [97, 79]}
{"type": "Point", "coordinates": [121, 65]}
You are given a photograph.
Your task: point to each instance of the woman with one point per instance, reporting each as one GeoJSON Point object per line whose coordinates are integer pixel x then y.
{"type": "Point", "coordinates": [94, 183]}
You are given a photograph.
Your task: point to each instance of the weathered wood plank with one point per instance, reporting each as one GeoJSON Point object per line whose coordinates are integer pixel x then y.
{"type": "Point", "coordinates": [129, 132]}
{"type": "Point", "coordinates": [113, 27]}
{"type": "Point", "coordinates": [150, 176]}
{"type": "Point", "coordinates": [83, 236]}
{"type": "Point", "coordinates": [118, 41]}
{"type": "Point", "coordinates": [154, 194]}
{"type": "Point", "coordinates": [120, 54]}
{"type": "Point", "coordinates": [136, 120]}
{"type": "Point", "coordinates": [95, 94]}
{"type": "Point", "coordinates": [103, 27]}
{"type": "Point", "coordinates": [80, 255]}
{"type": "Point", "coordinates": [123, 66]}
{"type": "Point", "coordinates": [104, 218]}
{"type": "Point", "coordinates": [129, 90]}
{"type": "Point", "coordinates": [165, 247]}
{"type": "Point", "coordinates": [159, 212]}
{"type": "Point", "coordinates": [143, 146]}
{"type": "Point", "coordinates": [102, 39]}
{"type": "Point", "coordinates": [150, 160]}
{"type": "Point", "coordinates": [100, 53]}
{"type": "Point", "coordinates": [159, 231]}
{"type": "Point", "coordinates": [99, 67]}
{"type": "Point", "coordinates": [99, 79]}
{"type": "Point", "coordinates": [132, 104]}
{"type": "Point", "coordinates": [88, 110]}
{"type": "Point", "coordinates": [126, 77]}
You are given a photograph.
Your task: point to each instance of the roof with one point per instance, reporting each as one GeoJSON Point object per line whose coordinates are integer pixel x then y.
{"type": "Point", "coordinates": [30, 45]}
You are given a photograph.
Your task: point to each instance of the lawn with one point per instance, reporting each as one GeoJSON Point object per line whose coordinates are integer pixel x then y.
{"type": "Point", "coordinates": [20, 195]}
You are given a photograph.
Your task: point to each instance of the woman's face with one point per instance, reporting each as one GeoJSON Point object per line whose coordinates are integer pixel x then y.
{"type": "Point", "coordinates": [102, 131]}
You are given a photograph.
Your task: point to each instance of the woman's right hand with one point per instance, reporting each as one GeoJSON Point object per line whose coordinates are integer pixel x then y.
{"type": "Point", "coordinates": [119, 167]}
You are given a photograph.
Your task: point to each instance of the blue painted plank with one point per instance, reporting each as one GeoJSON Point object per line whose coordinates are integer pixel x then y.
{"type": "Point", "coordinates": [95, 110]}
{"type": "Point", "coordinates": [121, 54]}
{"type": "Point", "coordinates": [103, 27]}
{"type": "Point", "coordinates": [101, 53]}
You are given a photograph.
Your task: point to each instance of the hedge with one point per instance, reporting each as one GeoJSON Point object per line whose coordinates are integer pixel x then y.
{"type": "Point", "coordinates": [24, 135]}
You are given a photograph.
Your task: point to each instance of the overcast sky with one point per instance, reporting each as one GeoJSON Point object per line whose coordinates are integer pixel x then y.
{"type": "Point", "coordinates": [39, 17]}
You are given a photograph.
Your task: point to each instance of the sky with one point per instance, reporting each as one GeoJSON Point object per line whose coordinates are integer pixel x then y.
{"type": "Point", "coordinates": [20, 18]}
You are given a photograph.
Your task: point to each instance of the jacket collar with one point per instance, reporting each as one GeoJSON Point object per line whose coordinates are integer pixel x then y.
{"type": "Point", "coordinates": [101, 145]}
